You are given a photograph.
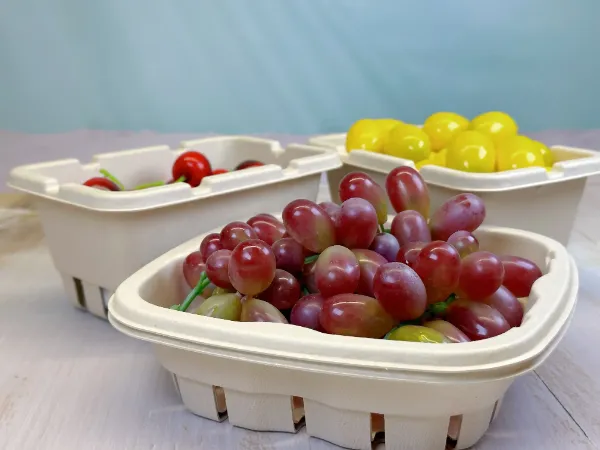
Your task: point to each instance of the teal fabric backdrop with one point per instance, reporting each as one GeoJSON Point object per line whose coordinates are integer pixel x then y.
{"type": "Point", "coordinates": [297, 66]}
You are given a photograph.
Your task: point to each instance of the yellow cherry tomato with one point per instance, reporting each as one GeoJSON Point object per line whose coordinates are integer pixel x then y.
{"type": "Point", "coordinates": [408, 142]}
{"type": "Point", "coordinates": [496, 124]}
{"type": "Point", "coordinates": [369, 134]}
{"type": "Point", "coordinates": [441, 127]}
{"type": "Point", "coordinates": [365, 134]}
{"type": "Point", "coordinates": [435, 159]}
{"type": "Point", "coordinates": [518, 152]}
{"type": "Point", "coordinates": [441, 156]}
{"type": "Point", "coordinates": [472, 151]}
{"type": "Point", "coordinates": [545, 151]}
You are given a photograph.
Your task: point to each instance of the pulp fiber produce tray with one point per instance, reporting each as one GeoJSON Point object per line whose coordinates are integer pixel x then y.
{"type": "Point", "coordinates": [532, 199]}
{"type": "Point", "coordinates": [98, 238]}
{"type": "Point", "coordinates": [348, 391]}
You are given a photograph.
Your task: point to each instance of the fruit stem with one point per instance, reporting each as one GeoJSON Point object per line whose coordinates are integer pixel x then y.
{"type": "Point", "coordinates": [382, 228]}
{"type": "Point", "coordinates": [310, 259]}
{"type": "Point", "coordinates": [112, 178]}
{"type": "Point", "coordinates": [305, 290]}
{"type": "Point", "coordinates": [203, 282]}
{"type": "Point", "coordinates": [149, 185]}
{"type": "Point", "coordinates": [439, 308]}
{"type": "Point", "coordinates": [181, 179]}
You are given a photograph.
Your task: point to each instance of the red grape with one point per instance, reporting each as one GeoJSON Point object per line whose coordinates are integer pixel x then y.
{"type": "Point", "coordinates": [369, 262]}
{"type": "Point", "coordinates": [332, 209]}
{"type": "Point", "coordinates": [506, 304]}
{"type": "Point", "coordinates": [289, 255]}
{"type": "Point", "coordinates": [519, 275]}
{"type": "Point", "coordinates": [438, 265]}
{"type": "Point", "coordinates": [267, 228]}
{"type": "Point", "coordinates": [452, 333]}
{"type": "Point", "coordinates": [210, 244]}
{"type": "Point", "coordinates": [480, 276]}
{"type": "Point", "coordinates": [386, 245]}
{"type": "Point", "coordinates": [235, 232]}
{"type": "Point", "coordinates": [193, 266]}
{"type": "Point", "coordinates": [360, 185]}
{"type": "Point", "coordinates": [400, 291]}
{"type": "Point", "coordinates": [252, 267]}
{"type": "Point", "coordinates": [355, 315]}
{"type": "Point", "coordinates": [464, 242]}
{"type": "Point", "coordinates": [463, 212]}
{"type": "Point", "coordinates": [102, 183]}
{"type": "Point", "coordinates": [356, 224]}
{"type": "Point", "coordinates": [410, 226]}
{"type": "Point", "coordinates": [255, 310]}
{"type": "Point", "coordinates": [408, 253]}
{"type": "Point", "coordinates": [407, 190]}
{"type": "Point", "coordinates": [309, 225]}
{"type": "Point", "coordinates": [306, 312]}
{"type": "Point", "coordinates": [193, 166]}
{"type": "Point", "coordinates": [477, 320]}
{"type": "Point", "coordinates": [217, 268]}
{"type": "Point", "coordinates": [308, 275]}
{"type": "Point", "coordinates": [284, 291]}
{"type": "Point", "coordinates": [336, 271]}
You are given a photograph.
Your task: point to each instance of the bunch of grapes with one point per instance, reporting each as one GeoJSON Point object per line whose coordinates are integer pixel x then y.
{"type": "Point", "coordinates": [343, 269]}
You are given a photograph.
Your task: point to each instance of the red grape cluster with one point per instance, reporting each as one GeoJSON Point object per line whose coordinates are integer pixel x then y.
{"type": "Point", "coordinates": [190, 167]}
{"type": "Point", "coordinates": [337, 269]}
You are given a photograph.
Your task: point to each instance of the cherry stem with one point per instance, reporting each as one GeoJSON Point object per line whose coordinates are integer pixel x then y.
{"type": "Point", "coordinates": [112, 178]}
{"type": "Point", "coordinates": [181, 179]}
{"type": "Point", "coordinates": [203, 282]}
{"type": "Point", "coordinates": [305, 290]}
{"type": "Point", "coordinates": [310, 259]}
{"type": "Point", "coordinates": [149, 185]}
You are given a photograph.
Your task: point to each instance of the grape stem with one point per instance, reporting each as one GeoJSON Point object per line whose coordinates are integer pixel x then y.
{"type": "Point", "coordinates": [310, 259]}
{"type": "Point", "coordinates": [202, 284]}
{"type": "Point", "coordinates": [305, 290]}
{"type": "Point", "coordinates": [112, 178]}
{"type": "Point", "coordinates": [382, 228]}
{"type": "Point", "coordinates": [439, 309]}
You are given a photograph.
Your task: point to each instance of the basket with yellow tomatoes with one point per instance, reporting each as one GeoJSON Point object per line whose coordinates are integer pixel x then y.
{"type": "Point", "coordinates": [488, 143]}
{"type": "Point", "coordinates": [524, 183]}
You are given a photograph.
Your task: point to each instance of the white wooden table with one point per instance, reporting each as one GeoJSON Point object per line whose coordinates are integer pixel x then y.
{"type": "Point", "coordinates": [69, 381]}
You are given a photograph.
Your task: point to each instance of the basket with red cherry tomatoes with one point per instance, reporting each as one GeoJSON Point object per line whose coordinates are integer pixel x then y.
{"type": "Point", "coordinates": [190, 167]}
{"type": "Point", "coordinates": [345, 269]}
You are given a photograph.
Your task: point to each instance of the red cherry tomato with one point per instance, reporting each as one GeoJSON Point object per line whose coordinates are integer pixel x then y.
{"type": "Point", "coordinates": [102, 183]}
{"type": "Point", "coordinates": [248, 163]}
{"type": "Point", "coordinates": [219, 171]}
{"type": "Point", "coordinates": [193, 166]}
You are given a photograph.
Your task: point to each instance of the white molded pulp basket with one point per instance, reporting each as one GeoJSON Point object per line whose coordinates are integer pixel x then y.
{"type": "Point", "coordinates": [98, 238]}
{"type": "Point", "coordinates": [275, 377]}
{"type": "Point", "coordinates": [532, 199]}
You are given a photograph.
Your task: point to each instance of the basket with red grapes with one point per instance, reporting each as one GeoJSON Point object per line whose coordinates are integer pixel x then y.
{"type": "Point", "coordinates": [346, 269]}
